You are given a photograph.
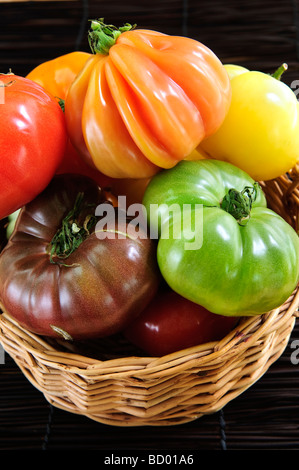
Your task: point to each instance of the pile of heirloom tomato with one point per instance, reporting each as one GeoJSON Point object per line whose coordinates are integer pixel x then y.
{"type": "Point", "coordinates": [154, 121]}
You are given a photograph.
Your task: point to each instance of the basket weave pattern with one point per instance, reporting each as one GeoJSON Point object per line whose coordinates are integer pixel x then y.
{"type": "Point", "coordinates": [112, 383]}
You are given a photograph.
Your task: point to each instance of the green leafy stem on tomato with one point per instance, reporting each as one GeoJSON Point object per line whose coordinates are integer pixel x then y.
{"type": "Point", "coordinates": [239, 203]}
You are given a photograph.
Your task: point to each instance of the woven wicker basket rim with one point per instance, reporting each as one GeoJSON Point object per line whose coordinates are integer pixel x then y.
{"type": "Point", "coordinates": [246, 333]}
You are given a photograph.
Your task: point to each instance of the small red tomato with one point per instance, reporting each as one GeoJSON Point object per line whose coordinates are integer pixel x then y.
{"type": "Point", "coordinates": [32, 141]}
{"type": "Point", "coordinates": [171, 323]}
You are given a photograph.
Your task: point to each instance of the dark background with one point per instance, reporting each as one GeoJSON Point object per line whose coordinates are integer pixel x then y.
{"type": "Point", "coordinates": [259, 35]}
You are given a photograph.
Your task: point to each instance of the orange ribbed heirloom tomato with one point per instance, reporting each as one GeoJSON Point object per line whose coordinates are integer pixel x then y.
{"type": "Point", "coordinates": [144, 100]}
{"type": "Point", "coordinates": [56, 75]}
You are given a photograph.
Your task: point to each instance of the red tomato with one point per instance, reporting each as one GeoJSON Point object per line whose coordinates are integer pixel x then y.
{"type": "Point", "coordinates": [171, 323]}
{"type": "Point", "coordinates": [32, 141]}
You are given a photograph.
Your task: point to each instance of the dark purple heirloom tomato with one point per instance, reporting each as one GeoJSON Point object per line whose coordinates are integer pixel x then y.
{"type": "Point", "coordinates": [59, 278]}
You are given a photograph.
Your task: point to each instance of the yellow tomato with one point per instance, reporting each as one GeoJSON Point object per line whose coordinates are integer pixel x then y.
{"type": "Point", "coordinates": [234, 70]}
{"type": "Point", "coordinates": [260, 133]}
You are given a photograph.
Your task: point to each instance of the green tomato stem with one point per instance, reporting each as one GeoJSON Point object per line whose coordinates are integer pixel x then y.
{"type": "Point", "coordinates": [239, 203]}
{"type": "Point", "coordinates": [61, 103]}
{"type": "Point", "coordinates": [71, 233]}
{"type": "Point", "coordinates": [102, 36]}
{"type": "Point", "coordinates": [278, 73]}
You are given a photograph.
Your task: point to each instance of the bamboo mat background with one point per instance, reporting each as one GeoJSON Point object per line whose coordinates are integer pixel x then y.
{"type": "Point", "coordinates": [259, 35]}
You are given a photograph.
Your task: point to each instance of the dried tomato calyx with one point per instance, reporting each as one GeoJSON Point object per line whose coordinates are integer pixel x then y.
{"type": "Point", "coordinates": [239, 203]}
{"type": "Point", "coordinates": [5, 75]}
{"type": "Point", "coordinates": [62, 333]}
{"type": "Point", "coordinates": [102, 36]}
{"type": "Point", "coordinates": [72, 232]}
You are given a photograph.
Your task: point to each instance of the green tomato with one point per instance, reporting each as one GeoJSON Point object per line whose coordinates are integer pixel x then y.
{"type": "Point", "coordinates": [219, 245]}
{"type": "Point", "coordinates": [12, 218]}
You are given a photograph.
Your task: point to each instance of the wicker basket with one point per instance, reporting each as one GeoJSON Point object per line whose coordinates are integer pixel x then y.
{"type": "Point", "coordinates": [112, 383]}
